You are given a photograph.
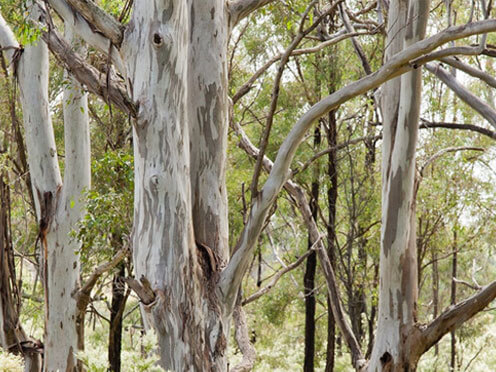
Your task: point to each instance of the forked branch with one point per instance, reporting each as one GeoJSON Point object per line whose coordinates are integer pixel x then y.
{"type": "Point", "coordinates": [88, 32]}
{"type": "Point", "coordinates": [83, 295]}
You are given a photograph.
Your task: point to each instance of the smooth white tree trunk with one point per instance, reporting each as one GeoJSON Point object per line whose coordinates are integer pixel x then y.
{"type": "Point", "coordinates": [393, 346]}
{"type": "Point", "coordinates": [62, 277]}
{"type": "Point", "coordinates": [58, 206]}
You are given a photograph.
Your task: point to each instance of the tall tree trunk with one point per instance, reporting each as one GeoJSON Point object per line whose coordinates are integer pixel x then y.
{"type": "Point", "coordinates": [309, 277]}
{"type": "Point", "coordinates": [394, 347]}
{"type": "Point", "coordinates": [12, 336]}
{"type": "Point", "coordinates": [435, 291]}
{"type": "Point", "coordinates": [332, 197]}
{"type": "Point", "coordinates": [208, 112]}
{"type": "Point", "coordinates": [58, 208]}
{"type": "Point", "coordinates": [454, 264]}
{"type": "Point", "coordinates": [66, 208]}
{"type": "Point", "coordinates": [166, 52]}
{"type": "Point", "coordinates": [116, 312]}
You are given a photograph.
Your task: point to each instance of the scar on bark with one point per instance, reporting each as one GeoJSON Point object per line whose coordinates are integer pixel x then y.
{"type": "Point", "coordinates": [48, 206]}
{"type": "Point", "coordinates": [386, 361]}
{"type": "Point", "coordinates": [208, 260]}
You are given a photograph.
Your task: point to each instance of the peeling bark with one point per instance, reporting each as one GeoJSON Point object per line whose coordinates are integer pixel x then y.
{"type": "Point", "coordinates": [398, 256]}
{"type": "Point", "coordinates": [186, 313]}
{"type": "Point", "coordinates": [208, 121]}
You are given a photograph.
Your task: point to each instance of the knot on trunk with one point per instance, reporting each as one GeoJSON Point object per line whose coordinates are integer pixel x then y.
{"type": "Point", "coordinates": [158, 40]}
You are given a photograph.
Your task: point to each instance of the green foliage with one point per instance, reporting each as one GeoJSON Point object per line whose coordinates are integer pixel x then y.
{"type": "Point", "coordinates": [109, 209]}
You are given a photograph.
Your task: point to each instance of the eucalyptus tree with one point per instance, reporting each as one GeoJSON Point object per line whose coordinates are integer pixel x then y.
{"type": "Point", "coordinates": [171, 77]}
{"type": "Point", "coordinates": [58, 204]}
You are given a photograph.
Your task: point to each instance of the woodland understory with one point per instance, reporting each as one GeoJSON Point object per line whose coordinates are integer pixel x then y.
{"type": "Point", "coordinates": [267, 185]}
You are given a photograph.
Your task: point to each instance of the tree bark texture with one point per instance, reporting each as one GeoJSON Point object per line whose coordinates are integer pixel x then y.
{"type": "Point", "coordinates": [178, 257]}
{"type": "Point", "coordinates": [332, 197]}
{"type": "Point", "coordinates": [173, 59]}
{"type": "Point", "coordinates": [116, 312]}
{"type": "Point", "coordinates": [58, 206]}
{"type": "Point", "coordinates": [309, 277]}
{"type": "Point", "coordinates": [392, 349]}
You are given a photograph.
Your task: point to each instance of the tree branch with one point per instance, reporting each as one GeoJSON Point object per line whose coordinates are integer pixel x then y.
{"type": "Point", "coordinates": [232, 275]}
{"type": "Point", "coordinates": [356, 44]}
{"type": "Point", "coordinates": [438, 154]}
{"type": "Point", "coordinates": [243, 339]}
{"type": "Point", "coordinates": [276, 87]}
{"type": "Point", "coordinates": [443, 53]}
{"type": "Point", "coordinates": [83, 294]}
{"type": "Point", "coordinates": [88, 75]}
{"type": "Point", "coordinates": [240, 9]}
{"type": "Point", "coordinates": [143, 290]}
{"type": "Point", "coordinates": [245, 88]}
{"type": "Point", "coordinates": [486, 132]}
{"type": "Point", "coordinates": [299, 195]}
{"type": "Point", "coordinates": [87, 32]}
{"type": "Point", "coordinates": [456, 63]}
{"type": "Point", "coordinates": [465, 95]}
{"type": "Point", "coordinates": [335, 148]}
{"type": "Point", "coordinates": [277, 276]}
{"type": "Point", "coordinates": [456, 315]}
{"type": "Point", "coordinates": [8, 42]}
{"type": "Point", "coordinates": [97, 17]}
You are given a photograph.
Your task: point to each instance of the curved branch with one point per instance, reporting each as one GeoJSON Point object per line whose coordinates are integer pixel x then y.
{"type": "Point", "coordinates": [232, 275]}
{"type": "Point", "coordinates": [97, 17]}
{"type": "Point", "coordinates": [240, 9]}
{"type": "Point", "coordinates": [486, 132]}
{"type": "Point", "coordinates": [299, 195]}
{"type": "Point", "coordinates": [438, 154]}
